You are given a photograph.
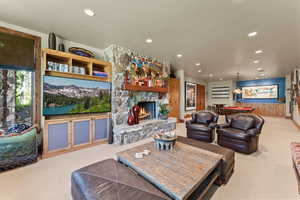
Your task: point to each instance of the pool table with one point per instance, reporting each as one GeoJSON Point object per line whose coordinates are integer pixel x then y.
{"type": "Point", "coordinates": [236, 109]}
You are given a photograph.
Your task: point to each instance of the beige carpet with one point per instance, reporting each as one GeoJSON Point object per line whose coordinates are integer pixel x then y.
{"type": "Point", "coordinates": [266, 174]}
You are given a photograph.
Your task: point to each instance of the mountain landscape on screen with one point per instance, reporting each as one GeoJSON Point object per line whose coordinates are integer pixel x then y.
{"type": "Point", "coordinates": [73, 96]}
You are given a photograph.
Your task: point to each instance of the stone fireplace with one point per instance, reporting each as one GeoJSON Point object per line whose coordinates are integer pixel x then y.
{"type": "Point", "coordinates": [147, 110]}
{"type": "Point", "coordinates": [124, 100]}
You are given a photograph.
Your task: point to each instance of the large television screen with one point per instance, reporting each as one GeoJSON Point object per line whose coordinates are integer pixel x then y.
{"type": "Point", "coordinates": [260, 92]}
{"type": "Point", "coordinates": [63, 96]}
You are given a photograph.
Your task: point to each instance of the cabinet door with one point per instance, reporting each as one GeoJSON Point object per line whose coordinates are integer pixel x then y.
{"type": "Point", "coordinates": [81, 132]}
{"type": "Point", "coordinates": [101, 128]}
{"type": "Point", "coordinates": [200, 97]}
{"type": "Point", "coordinates": [174, 97]}
{"type": "Point", "coordinates": [57, 136]}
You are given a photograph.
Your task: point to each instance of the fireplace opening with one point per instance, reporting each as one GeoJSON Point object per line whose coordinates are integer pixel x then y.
{"type": "Point", "coordinates": [147, 110]}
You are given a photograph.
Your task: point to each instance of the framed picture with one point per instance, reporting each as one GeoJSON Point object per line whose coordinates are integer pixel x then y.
{"type": "Point", "coordinates": [190, 96]}
{"type": "Point", "coordinates": [260, 92]}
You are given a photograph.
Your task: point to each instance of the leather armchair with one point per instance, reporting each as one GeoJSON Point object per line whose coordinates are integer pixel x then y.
{"type": "Point", "coordinates": [241, 132]}
{"type": "Point", "coordinates": [202, 126]}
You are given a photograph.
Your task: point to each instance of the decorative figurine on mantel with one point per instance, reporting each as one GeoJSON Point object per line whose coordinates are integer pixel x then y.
{"type": "Point", "coordinates": [165, 141]}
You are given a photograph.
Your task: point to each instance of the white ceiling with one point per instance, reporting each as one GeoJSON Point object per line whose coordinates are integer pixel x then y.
{"type": "Point", "coordinates": [212, 32]}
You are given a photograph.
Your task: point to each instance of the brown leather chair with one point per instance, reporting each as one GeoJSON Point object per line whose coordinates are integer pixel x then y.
{"type": "Point", "coordinates": [241, 132]}
{"type": "Point", "coordinates": [202, 126]}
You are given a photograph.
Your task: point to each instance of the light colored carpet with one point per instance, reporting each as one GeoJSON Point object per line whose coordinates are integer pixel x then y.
{"type": "Point", "coordinates": [266, 174]}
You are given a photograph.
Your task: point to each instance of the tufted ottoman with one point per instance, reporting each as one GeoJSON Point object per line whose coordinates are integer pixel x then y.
{"type": "Point", "coordinates": [110, 180]}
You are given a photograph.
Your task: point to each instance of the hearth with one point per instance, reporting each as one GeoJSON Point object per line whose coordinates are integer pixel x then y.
{"type": "Point", "coordinates": [147, 110]}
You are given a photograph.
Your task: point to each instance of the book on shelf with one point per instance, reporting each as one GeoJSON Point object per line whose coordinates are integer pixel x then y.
{"type": "Point", "coordinates": [100, 74]}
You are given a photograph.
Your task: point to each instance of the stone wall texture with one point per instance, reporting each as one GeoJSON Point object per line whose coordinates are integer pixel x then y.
{"type": "Point", "coordinates": [123, 100]}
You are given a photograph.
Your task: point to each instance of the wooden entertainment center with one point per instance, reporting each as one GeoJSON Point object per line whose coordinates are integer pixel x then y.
{"type": "Point", "coordinates": [67, 133]}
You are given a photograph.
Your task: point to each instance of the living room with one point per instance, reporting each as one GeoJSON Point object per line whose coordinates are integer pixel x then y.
{"type": "Point", "coordinates": [167, 100]}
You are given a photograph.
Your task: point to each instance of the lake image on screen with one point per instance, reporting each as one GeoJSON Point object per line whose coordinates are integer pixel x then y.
{"type": "Point", "coordinates": [72, 96]}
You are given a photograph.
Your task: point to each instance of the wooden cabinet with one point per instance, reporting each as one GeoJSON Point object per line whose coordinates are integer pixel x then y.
{"type": "Point", "coordinates": [57, 136]}
{"type": "Point", "coordinates": [65, 135]}
{"type": "Point", "coordinates": [174, 97]}
{"type": "Point", "coordinates": [100, 129]}
{"type": "Point", "coordinates": [200, 97]}
{"type": "Point", "coordinates": [81, 132]}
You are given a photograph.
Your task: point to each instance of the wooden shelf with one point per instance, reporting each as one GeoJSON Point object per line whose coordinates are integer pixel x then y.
{"type": "Point", "coordinates": [144, 88]}
{"type": "Point", "coordinates": [78, 76]}
{"type": "Point", "coordinates": [90, 65]}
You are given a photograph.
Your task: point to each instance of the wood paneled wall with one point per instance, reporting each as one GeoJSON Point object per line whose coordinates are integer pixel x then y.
{"type": "Point", "coordinates": [174, 97]}
{"type": "Point", "coordinates": [266, 109]}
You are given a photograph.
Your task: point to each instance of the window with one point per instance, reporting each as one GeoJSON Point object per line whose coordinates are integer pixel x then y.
{"type": "Point", "coordinates": [220, 92]}
{"type": "Point", "coordinates": [19, 75]}
{"type": "Point", "coordinates": [16, 97]}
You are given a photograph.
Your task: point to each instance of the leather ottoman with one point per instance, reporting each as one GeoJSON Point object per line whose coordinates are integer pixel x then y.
{"type": "Point", "coordinates": [227, 164]}
{"type": "Point", "coordinates": [110, 180]}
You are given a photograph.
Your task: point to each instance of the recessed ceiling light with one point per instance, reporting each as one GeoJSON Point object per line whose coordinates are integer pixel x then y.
{"type": "Point", "coordinates": [199, 70]}
{"type": "Point", "coordinates": [256, 61]}
{"type": "Point", "coordinates": [259, 69]}
{"type": "Point", "coordinates": [259, 51]}
{"type": "Point", "coordinates": [252, 34]}
{"type": "Point", "coordinates": [210, 75]}
{"type": "Point", "coordinates": [198, 64]}
{"type": "Point", "coordinates": [149, 40]}
{"type": "Point", "coordinates": [179, 55]}
{"type": "Point", "coordinates": [221, 79]}
{"type": "Point", "coordinates": [89, 12]}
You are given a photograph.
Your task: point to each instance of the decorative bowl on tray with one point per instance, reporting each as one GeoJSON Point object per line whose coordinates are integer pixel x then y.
{"type": "Point", "coordinates": [164, 141]}
{"type": "Point", "coordinates": [81, 52]}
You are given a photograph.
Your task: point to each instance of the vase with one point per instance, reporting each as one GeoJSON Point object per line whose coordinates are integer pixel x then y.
{"type": "Point", "coordinates": [163, 117]}
{"type": "Point", "coordinates": [61, 47]}
{"type": "Point", "coordinates": [52, 41]}
{"type": "Point", "coordinates": [130, 120]}
{"type": "Point", "coordinates": [136, 112]}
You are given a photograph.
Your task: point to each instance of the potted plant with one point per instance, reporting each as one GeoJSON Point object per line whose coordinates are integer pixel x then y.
{"type": "Point", "coordinates": [164, 111]}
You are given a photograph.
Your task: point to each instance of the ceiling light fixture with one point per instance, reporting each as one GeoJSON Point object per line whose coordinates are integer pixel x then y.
{"type": "Point", "coordinates": [149, 40]}
{"type": "Point", "coordinates": [199, 70]}
{"type": "Point", "coordinates": [210, 75]}
{"type": "Point", "coordinates": [221, 79]}
{"type": "Point", "coordinates": [256, 61]}
{"type": "Point", "coordinates": [258, 51]}
{"type": "Point", "coordinates": [179, 55]}
{"type": "Point", "coordinates": [198, 64]}
{"type": "Point", "coordinates": [252, 34]}
{"type": "Point", "coordinates": [259, 69]}
{"type": "Point", "coordinates": [89, 12]}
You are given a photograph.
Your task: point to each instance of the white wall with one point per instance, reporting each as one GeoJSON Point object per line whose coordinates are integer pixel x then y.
{"type": "Point", "coordinates": [229, 102]}
{"type": "Point", "coordinates": [44, 39]}
{"type": "Point", "coordinates": [180, 76]}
